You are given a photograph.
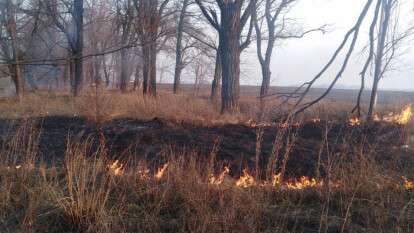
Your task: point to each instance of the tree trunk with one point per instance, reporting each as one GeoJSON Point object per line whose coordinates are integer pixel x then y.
{"type": "Point", "coordinates": [230, 57]}
{"type": "Point", "coordinates": [124, 71]}
{"type": "Point", "coordinates": [378, 70]}
{"type": "Point", "coordinates": [17, 80]}
{"type": "Point", "coordinates": [124, 79]}
{"type": "Point", "coordinates": [178, 51]}
{"type": "Point", "coordinates": [152, 87]}
{"type": "Point", "coordinates": [137, 80]}
{"type": "Point", "coordinates": [14, 68]}
{"type": "Point", "coordinates": [145, 68]}
{"type": "Point", "coordinates": [149, 57]}
{"type": "Point", "coordinates": [106, 73]}
{"type": "Point", "coordinates": [78, 50]}
{"type": "Point", "coordinates": [215, 86]}
{"type": "Point", "coordinates": [264, 89]}
{"type": "Point", "coordinates": [77, 79]}
{"type": "Point", "coordinates": [266, 73]}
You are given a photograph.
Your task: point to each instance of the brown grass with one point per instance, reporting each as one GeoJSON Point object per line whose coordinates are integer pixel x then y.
{"type": "Point", "coordinates": [82, 195]}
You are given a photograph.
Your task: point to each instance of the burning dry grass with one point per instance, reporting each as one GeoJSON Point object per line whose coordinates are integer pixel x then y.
{"type": "Point", "coordinates": [90, 193]}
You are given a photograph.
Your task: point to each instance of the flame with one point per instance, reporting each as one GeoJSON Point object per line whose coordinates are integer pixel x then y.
{"type": "Point", "coordinates": [220, 179]}
{"type": "Point", "coordinates": [116, 168]}
{"type": "Point", "coordinates": [316, 120]}
{"type": "Point", "coordinates": [405, 115]}
{"type": "Point", "coordinates": [355, 121]}
{"type": "Point", "coordinates": [408, 185]}
{"type": "Point", "coordinates": [161, 171]}
{"type": "Point", "coordinates": [303, 183]}
{"type": "Point", "coordinates": [402, 119]}
{"type": "Point", "coordinates": [246, 180]}
{"type": "Point", "coordinates": [276, 180]}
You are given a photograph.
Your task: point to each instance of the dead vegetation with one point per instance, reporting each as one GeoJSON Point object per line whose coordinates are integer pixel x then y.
{"type": "Point", "coordinates": [194, 173]}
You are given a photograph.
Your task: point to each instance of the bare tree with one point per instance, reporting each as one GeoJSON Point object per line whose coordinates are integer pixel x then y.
{"type": "Point", "coordinates": [207, 44]}
{"type": "Point", "coordinates": [273, 21]}
{"type": "Point", "coordinates": [179, 50]}
{"type": "Point", "coordinates": [234, 16]}
{"type": "Point", "coordinates": [73, 30]}
{"type": "Point", "coordinates": [383, 48]}
{"type": "Point", "coordinates": [125, 15]}
{"type": "Point", "coordinates": [100, 33]}
{"type": "Point", "coordinates": [9, 44]}
{"type": "Point", "coordinates": [388, 42]}
{"type": "Point", "coordinates": [150, 28]}
{"type": "Point", "coordinates": [301, 92]}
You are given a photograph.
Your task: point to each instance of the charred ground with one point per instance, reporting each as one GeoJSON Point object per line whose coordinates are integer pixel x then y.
{"type": "Point", "coordinates": [233, 145]}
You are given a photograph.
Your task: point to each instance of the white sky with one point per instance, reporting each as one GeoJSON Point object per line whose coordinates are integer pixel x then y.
{"type": "Point", "coordinates": [297, 61]}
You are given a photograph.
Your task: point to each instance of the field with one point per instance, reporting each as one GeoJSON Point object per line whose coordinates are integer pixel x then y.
{"type": "Point", "coordinates": [111, 162]}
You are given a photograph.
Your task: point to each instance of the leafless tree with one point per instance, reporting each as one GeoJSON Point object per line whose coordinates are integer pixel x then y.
{"type": "Point", "coordinates": [9, 47]}
{"type": "Point", "coordinates": [234, 16]}
{"type": "Point", "coordinates": [383, 47]}
{"type": "Point", "coordinates": [301, 92]}
{"type": "Point", "coordinates": [179, 47]}
{"type": "Point", "coordinates": [388, 43]}
{"type": "Point", "coordinates": [100, 33]}
{"type": "Point", "coordinates": [151, 27]}
{"type": "Point", "coordinates": [125, 16]}
{"type": "Point", "coordinates": [201, 70]}
{"type": "Point", "coordinates": [71, 25]}
{"type": "Point", "coordinates": [270, 18]}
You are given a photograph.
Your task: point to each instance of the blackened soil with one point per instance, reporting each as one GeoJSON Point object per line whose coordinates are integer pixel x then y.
{"type": "Point", "coordinates": [154, 141]}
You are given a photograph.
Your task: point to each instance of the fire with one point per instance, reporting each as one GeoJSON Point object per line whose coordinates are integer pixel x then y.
{"type": "Point", "coordinates": [276, 180]}
{"type": "Point", "coordinates": [116, 168]}
{"type": "Point", "coordinates": [355, 121]}
{"type": "Point", "coordinates": [405, 115]}
{"type": "Point", "coordinates": [18, 167]}
{"type": "Point", "coordinates": [316, 120]}
{"type": "Point", "coordinates": [161, 171]}
{"type": "Point", "coordinates": [303, 183]}
{"type": "Point", "coordinates": [246, 180]}
{"type": "Point", "coordinates": [220, 179]}
{"type": "Point", "coordinates": [402, 119]}
{"type": "Point", "coordinates": [408, 185]}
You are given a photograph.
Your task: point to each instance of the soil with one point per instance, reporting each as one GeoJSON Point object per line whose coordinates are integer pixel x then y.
{"type": "Point", "coordinates": [128, 139]}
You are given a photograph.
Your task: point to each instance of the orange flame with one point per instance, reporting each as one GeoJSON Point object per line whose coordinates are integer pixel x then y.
{"type": "Point", "coordinates": [246, 180]}
{"type": "Point", "coordinates": [303, 183]}
{"type": "Point", "coordinates": [408, 185]}
{"type": "Point", "coordinates": [276, 180]}
{"type": "Point", "coordinates": [220, 179]}
{"type": "Point", "coordinates": [355, 121]}
{"type": "Point", "coordinates": [161, 171]}
{"type": "Point", "coordinates": [116, 168]}
{"type": "Point", "coordinates": [316, 120]}
{"type": "Point", "coordinates": [402, 119]}
{"type": "Point", "coordinates": [405, 116]}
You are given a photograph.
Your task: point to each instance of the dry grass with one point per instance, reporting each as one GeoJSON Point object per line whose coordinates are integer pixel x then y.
{"type": "Point", "coordinates": [107, 105]}
{"type": "Point", "coordinates": [84, 195]}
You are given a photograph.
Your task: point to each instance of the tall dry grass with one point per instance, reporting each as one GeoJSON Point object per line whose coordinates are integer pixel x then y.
{"type": "Point", "coordinates": [84, 195]}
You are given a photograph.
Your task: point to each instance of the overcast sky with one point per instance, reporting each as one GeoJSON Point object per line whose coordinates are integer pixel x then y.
{"type": "Point", "coordinates": [297, 61]}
